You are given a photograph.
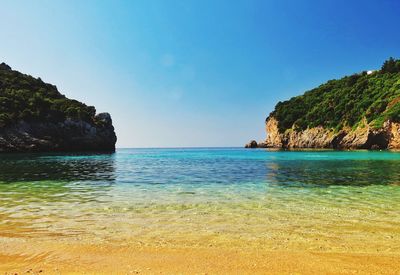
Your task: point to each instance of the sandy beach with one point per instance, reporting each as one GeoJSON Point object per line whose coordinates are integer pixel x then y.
{"type": "Point", "coordinates": [31, 257]}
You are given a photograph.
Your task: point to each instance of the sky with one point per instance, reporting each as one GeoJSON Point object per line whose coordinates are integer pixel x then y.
{"type": "Point", "coordinates": [194, 73]}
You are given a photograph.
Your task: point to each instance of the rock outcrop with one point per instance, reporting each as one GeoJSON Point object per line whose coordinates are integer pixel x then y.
{"type": "Point", "coordinates": [359, 111]}
{"type": "Point", "coordinates": [67, 136]}
{"type": "Point", "coordinates": [35, 117]}
{"type": "Point", "coordinates": [251, 144]}
{"type": "Point", "coordinates": [255, 144]}
{"type": "Point", "coordinates": [363, 137]}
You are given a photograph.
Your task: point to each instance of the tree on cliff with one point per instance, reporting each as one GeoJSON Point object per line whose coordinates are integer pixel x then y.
{"type": "Point", "coordinates": [23, 97]}
{"type": "Point", "coordinates": [391, 66]}
{"type": "Point", "coordinates": [345, 102]}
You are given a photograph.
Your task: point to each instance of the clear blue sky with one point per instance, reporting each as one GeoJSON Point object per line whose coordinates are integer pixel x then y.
{"type": "Point", "coordinates": [194, 73]}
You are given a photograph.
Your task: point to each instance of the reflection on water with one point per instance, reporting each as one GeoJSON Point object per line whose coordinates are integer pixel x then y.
{"type": "Point", "coordinates": [316, 173]}
{"type": "Point", "coordinates": [37, 167]}
{"type": "Point", "coordinates": [38, 191]}
{"type": "Point", "coordinates": [326, 200]}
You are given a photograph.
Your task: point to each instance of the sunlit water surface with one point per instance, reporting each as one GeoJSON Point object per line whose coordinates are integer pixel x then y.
{"type": "Point", "coordinates": [317, 200]}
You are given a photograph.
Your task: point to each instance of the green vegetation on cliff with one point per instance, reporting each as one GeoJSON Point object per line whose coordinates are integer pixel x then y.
{"type": "Point", "coordinates": [23, 97]}
{"type": "Point", "coordinates": [346, 101]}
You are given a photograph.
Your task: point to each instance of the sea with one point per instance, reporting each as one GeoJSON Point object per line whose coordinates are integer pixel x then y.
{"type": "Point", "coordinates": [201, 197]}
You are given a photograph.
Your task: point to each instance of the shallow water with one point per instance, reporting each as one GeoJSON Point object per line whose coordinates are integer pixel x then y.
{"type": "Point", "coordinates": [316, 200]}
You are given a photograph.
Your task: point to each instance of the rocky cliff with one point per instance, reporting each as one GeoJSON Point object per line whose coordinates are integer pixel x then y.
{"type": "Point", "coordinates": [69, 135]}
{"type": "Point", "coordinates": [361, 111]}
{"type": "Point", "coordinates": [363, 137]}
{"type": "Point", "coordinates": [35, 117]}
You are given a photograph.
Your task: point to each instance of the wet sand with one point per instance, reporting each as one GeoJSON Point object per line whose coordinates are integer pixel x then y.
{"type": "Point", "coordinates": [32, 257]}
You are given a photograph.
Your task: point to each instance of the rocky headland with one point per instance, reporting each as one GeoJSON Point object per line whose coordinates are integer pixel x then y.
{"type": "Point", "coordinates": [35, 117]}
{"type": "Point", "coordinates": [363, 137]}
{"type": "Point", "coordinates": [361, 111]}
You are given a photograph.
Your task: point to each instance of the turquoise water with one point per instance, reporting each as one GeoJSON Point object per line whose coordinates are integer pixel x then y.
{"type": "Point", "coordinates": [324, 200]}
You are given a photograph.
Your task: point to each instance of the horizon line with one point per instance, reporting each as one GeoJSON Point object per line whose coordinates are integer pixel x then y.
{"type": "Point", "coordinates": [179, 147]}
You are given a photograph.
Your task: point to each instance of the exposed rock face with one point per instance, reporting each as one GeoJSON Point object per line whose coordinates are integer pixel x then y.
{"type": "Point", "coordinates": [255, 144]}
{"type": "Point", "coordinates": [394, 141]}
{"type": "Point", "coordinates": [363, 137]}
{"type": "Point", "coordinates": [251, 144]}
{"type": "Point", "coordinates": [274, 138]}
{"type": "Point", "coordinates": [359, 111]}
{"type": "Point", "coordinates": [70, 135]}
{"type": "Point", "coordinates": [36, 117]}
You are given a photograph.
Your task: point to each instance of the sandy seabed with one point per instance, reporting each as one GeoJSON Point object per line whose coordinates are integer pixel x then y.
{"type": "Point", "coordinates": [208, 212]}
{"type": "Point", "coordinates": [32, 257]}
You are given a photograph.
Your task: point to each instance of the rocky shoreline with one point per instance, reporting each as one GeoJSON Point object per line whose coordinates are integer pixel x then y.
{"type": "Point", "coordinates": [36, 117]}
{"type": "Point", "coordinates": [67, 136]}
{"type": "Point", "coordinates": [363, 137]}
{"type": "Point", "coordinates": [358, 111]}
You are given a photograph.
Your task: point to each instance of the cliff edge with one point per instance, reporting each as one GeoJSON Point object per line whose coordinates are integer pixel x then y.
{"type": "Point", "coordinates": [361, 111]}
{"type": "Point", "coordinates": [35, 117]}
